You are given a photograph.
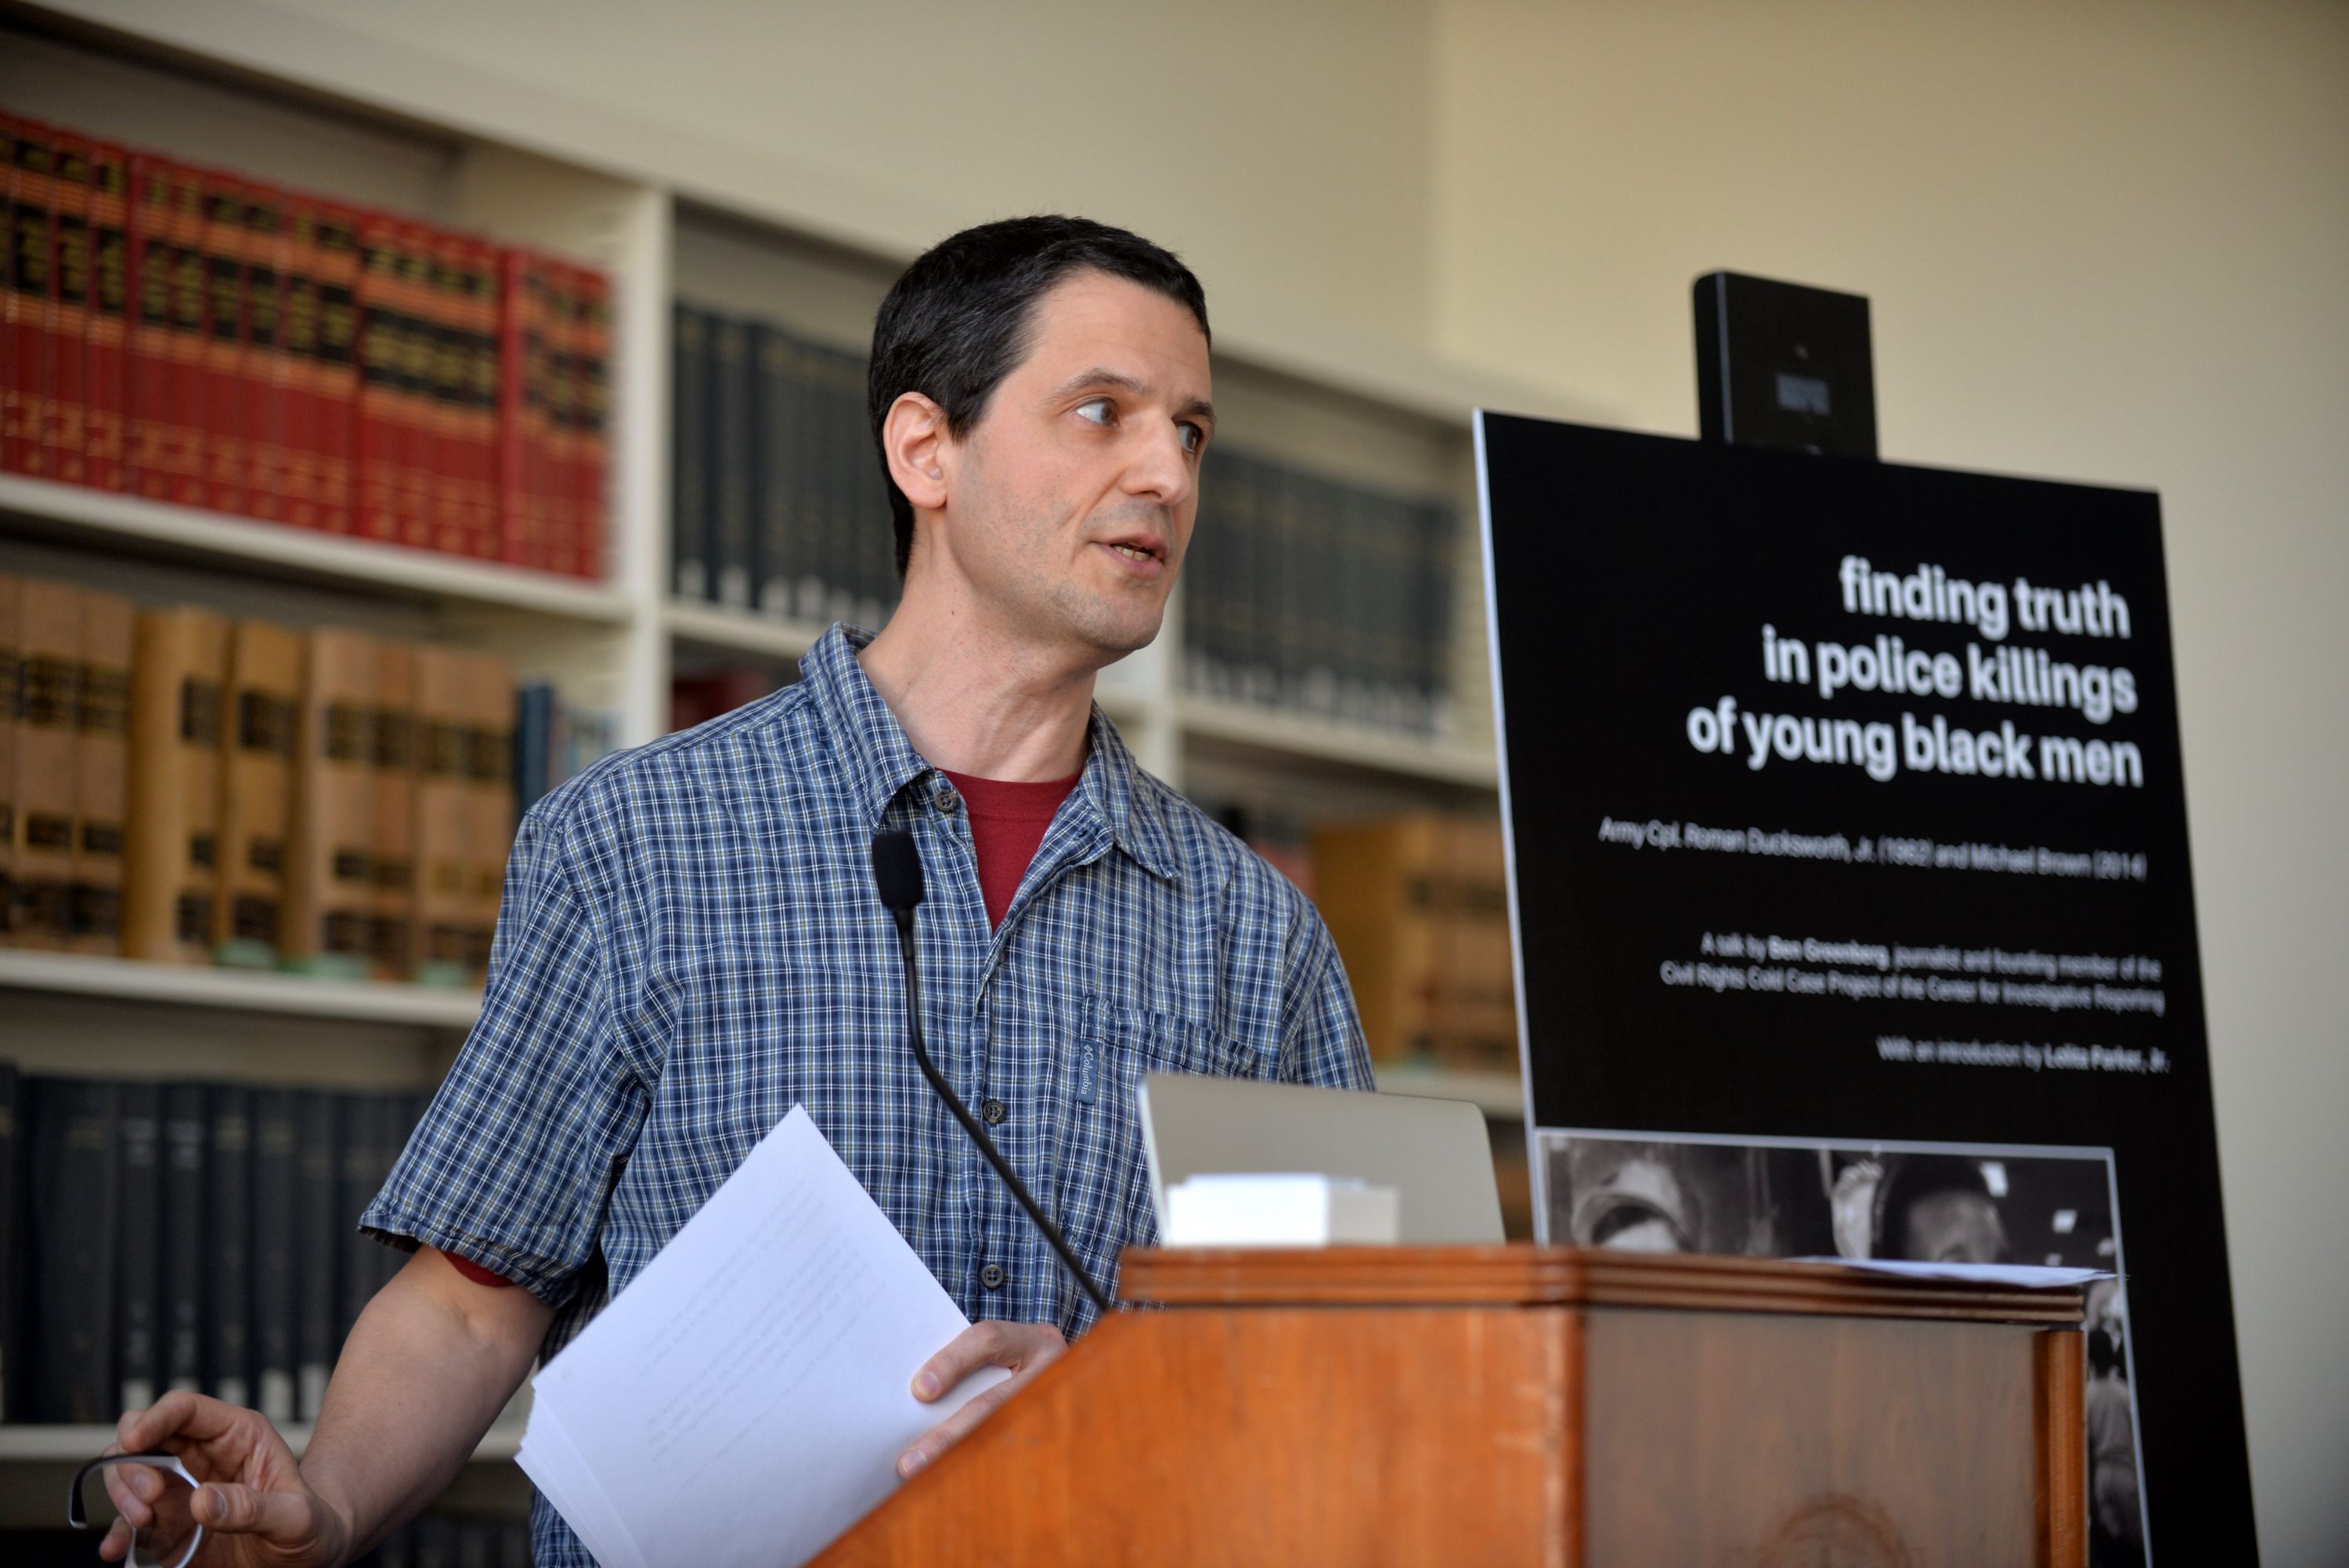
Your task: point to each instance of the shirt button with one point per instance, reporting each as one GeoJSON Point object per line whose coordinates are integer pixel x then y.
{"type": "Point", "coordinates": [992, 1276]}
{"type": "Point", "coordinates": [994, 1111]}
{"type": "Point", "coordinates": [944, 798]}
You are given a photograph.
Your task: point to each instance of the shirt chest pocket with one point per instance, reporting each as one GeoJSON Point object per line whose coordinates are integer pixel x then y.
{"type": "Point", "coordinates": [1102, 1180]}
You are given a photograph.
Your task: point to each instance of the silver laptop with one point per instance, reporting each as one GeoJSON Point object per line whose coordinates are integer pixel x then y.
{"type": "Point", "coordinates": [1435, 1153]}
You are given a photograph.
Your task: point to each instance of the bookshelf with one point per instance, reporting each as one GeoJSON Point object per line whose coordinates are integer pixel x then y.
{"type": "Point", "coordinates": [120, 525]}
{"type": "Point", "coordinates": [294, 100]}
{"type": "Point", "coordinates": [237, 990]}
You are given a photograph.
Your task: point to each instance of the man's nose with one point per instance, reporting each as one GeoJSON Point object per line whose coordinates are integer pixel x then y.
{"type": "Point", "coordinates": [1162, 470]}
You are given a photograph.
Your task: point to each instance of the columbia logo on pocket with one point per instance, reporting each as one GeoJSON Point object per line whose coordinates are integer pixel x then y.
{"type": "Point", "coordinates": [1089, 1051]}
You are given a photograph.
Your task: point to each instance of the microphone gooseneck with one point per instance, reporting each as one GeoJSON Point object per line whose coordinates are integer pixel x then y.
{"type": "Point", "coordinates": [897, 877]}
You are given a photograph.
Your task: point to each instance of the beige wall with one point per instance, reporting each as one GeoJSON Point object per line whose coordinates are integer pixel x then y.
{"type": "Point", "coordinates": [2105, 241]}
{"type": "Point", "coordinates": [1259, 139]}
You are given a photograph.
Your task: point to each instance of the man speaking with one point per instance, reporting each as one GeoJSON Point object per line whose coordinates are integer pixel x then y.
{"type": "Point", "coordinates": [691, 943]}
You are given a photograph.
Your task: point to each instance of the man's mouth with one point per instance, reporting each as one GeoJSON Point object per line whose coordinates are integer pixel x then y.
{"type": "Point", "coordinates": [1136, 552]}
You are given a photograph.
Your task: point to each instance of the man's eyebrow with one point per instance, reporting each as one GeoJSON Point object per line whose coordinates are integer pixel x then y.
{"type": "Point", "coordinates": [1101, 375]}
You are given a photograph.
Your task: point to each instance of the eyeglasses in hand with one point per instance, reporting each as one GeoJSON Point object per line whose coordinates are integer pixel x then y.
{"type": "Point", "coordinates": [170, 1537]}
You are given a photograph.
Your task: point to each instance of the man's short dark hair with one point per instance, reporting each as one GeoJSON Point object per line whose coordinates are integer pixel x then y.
{"type": "Point", "coordinates": [957, 323]}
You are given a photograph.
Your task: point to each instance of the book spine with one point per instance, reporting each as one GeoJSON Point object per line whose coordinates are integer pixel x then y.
{"type": "Point", "coordinates": [318, 1237]}
{"type": "Point", "coordinates": [444, 335]}
{"type": "Point", "coordinates": [731, 559]}
{"type": "Point", "coordinates": [538, 390]}
{"type": "Point", "coordinates": [189, 377]}
{"type": "Point", "coordinates": [1432, 710]}
{"type": "Point", "coordinates": [187, 1233]}
{"type": "Point", "coordinates": [392, 763]}
{"type": "Point", "coordinates": [32, 194]}
{"type": "Point", "coordinates": [592, 418]}
{"type": "Point", "coordinates": [12, 714]}
{"type": "Point", "coordinates": [227, 279]}
{"type": "Point", "coordinates": [101, 727]}
{"type": "Point", "coordinates": [12, 1240]}
{"type": "Point", "coordinates": [443, 807]}
{"type": "Point", "coordinates": [114, 292]}
{"type": "Point", "coordinates": [414, 430]}
{"type": "Point", "coordinates": [151, 328]}
{"type": "Point", "coordinates": [138, 1248]}
{"type": "Point", "coordinates": [276, 1140]}
{"type": "Point", "coordinates": [334, 367]}
{"type": "Point", "coordinates": [75, 1212]}
{"type": "Point", "coordinates": [170, 872]}
{"type": "Point", "coordinates": [852, 585]}
{"type": "Point", "coordinates": [228, 1261]}
{"type": "Point", "coordinates": [382, 349]}
{"type": "Point", "coordinates": [50, 621]}
{"type": "Point", "coordinates": [533, 718]}
{"type": "Point", "coordinates": [67, 436]}
{"type": "Point", "coordinates": [13, 304]}
{"type": "Point", "coordinates": [490, 814]}
{"type": "Point", "coordinates": [483, 311]}
{"type": "Point", "coordinates": [329, 912]}
{"type": "Point", "coordinates": [688, 464]}
{"type": "Point", "coordinates": [515, 302]}
{"type": "Point", "coordinates": [257, 754]}
{"type": "Point", "coordinates": [298, 367]}
{"type": "Point", "coordinates": [268, 378]}
{"type": "Point", "coordinates": [563, 521]}
{"type": "Point", "coordinates": [772, 473]}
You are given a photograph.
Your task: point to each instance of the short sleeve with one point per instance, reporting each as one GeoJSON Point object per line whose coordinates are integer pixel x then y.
{"type": "Point", "coordinates": [1322, 1034]}
{"type": "Point", "coordinates": [513, 1165]}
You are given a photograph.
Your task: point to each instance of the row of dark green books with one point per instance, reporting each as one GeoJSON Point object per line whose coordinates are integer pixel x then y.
{"type": "Point", "coordinates": [184, 1235]}
{"type": "Point", "coordinates": [778, 506]}
{"type": "Point", "coordinates": [1313, 596]}
{"type": "Point", "coordinates": [429, 1541]}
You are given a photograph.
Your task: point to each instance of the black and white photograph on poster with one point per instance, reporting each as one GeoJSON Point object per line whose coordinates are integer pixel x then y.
{"type": "Point", "coordinates": [1912, 1202]}
{"type": "Point", "coordinates": [1842, 793]}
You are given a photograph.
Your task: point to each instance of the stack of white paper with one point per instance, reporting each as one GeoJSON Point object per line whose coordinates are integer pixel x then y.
{"type": "Point", "coordinates": [2019, 1276]}
{"type": "Point", "coordinates": [745, 1399]}
{"type": "Point", "coordinates": [1282, 1210]}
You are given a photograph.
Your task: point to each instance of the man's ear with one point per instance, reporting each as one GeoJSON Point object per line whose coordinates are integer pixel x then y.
{"type": "Point", "coordinates": [915, 443]}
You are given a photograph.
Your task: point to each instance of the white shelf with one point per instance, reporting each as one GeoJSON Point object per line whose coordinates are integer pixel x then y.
{"type": "Point", "coordinates": [1497, 1094]}
{"type": "Point", "coordinates": [72, 1445]}
{"type": "Point", "coordinates": [716, 626]}
{"type": "Point", "coordinates": [238, 990]}
{"type": "Point", "coordinates": [108, 521]}
{"type": "Point", "coordinates": [1319, 739]}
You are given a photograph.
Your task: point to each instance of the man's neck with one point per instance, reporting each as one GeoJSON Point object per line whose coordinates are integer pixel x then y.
{"type": "Point", "coordinates": [975, 697]}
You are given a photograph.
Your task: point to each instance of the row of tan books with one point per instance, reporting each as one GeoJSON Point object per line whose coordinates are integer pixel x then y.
{"type": "Point", "coordinates": [180, 786]}
{"type": "Point", "coordinates": [1419, 907]}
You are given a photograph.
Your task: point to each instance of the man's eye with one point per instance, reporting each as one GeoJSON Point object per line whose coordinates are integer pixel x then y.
{"type": "Point", "coordinates": [1193, 437]}
{"type": "Point", "coordinates": [1098, 411]}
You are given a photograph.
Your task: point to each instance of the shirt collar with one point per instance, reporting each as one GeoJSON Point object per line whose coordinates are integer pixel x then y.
{"type": "Point", "coordinates": [880, 761]}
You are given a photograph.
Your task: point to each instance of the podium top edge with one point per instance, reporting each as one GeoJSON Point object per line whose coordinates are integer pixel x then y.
{"type": "Point", "coordinates": [1529, 1276]}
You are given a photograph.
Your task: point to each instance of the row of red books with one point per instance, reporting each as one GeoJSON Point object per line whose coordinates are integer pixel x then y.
{"type": "Point", "coordinates": [195, 337]}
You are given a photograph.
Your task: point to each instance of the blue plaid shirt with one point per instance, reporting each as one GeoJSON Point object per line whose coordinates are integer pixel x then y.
{"type": "Point", "coordinates": [690, 943]}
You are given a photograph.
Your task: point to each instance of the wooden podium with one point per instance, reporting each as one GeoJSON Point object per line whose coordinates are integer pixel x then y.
{"type": "Point", "coordinates": [1522, 1405]}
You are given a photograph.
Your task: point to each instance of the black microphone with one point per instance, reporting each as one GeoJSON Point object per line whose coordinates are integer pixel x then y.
{"type": "Point", "coordinates": [897, 875]}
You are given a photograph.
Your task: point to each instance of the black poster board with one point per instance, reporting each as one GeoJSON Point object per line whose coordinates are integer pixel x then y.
{"type": "Point", "coordinates": [1851, 895]}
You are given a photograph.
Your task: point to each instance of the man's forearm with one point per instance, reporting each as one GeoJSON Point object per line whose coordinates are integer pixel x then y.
{"type": "Point", "coordinates": [427, 1369]}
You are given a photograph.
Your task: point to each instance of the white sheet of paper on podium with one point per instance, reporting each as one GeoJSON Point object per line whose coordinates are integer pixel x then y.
{"type": "Point", "coordinates": [745, 1399]}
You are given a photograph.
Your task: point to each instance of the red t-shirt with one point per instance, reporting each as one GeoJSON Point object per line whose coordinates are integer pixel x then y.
{"type": "Point", "coordinates": [1007, 824]}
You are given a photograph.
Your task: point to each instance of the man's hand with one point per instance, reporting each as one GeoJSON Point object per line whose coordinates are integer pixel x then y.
{"type": "Point", "coordinates": [256, 1509]}
{"type": "Point", "coordinates": [1026, 1348]}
